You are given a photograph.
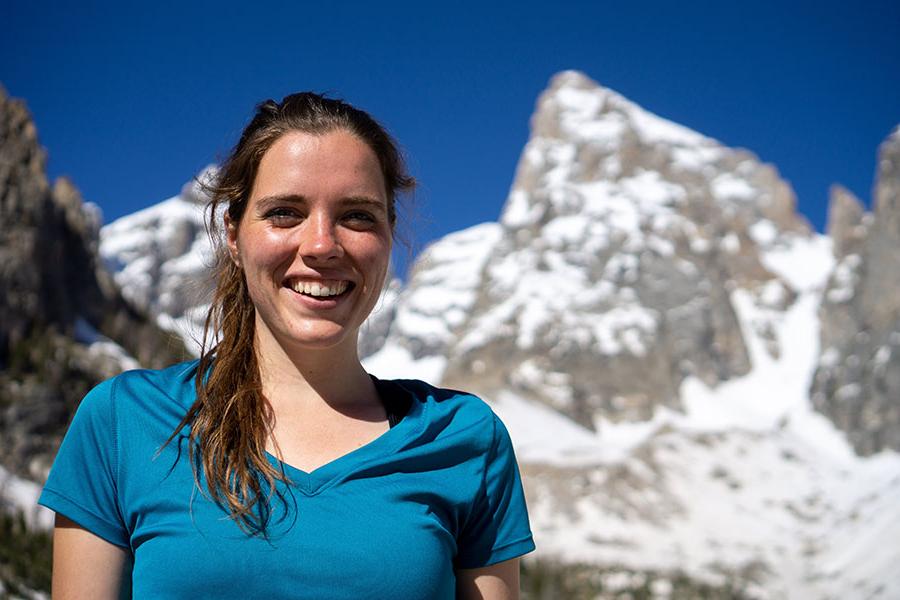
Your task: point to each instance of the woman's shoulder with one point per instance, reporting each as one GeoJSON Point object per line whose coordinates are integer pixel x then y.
{"type": "Point", "coordinates": [456, 409]}
{"type": "Point", "coordinates": [424, 392]}
{"type": "Point", "coordinates": [168, 379]}
{"type": "Point", "coordinates": [143, 387]}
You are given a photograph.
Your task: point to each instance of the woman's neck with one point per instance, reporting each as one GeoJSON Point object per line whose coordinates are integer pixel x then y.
{"type": "Point", "coordinates": [303, 378]}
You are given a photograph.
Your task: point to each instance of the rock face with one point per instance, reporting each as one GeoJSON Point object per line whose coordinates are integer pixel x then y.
{"type": "Point", "coordinates": [644, 317]}
{"type": "Point", "coordinates": [59, 309]}
{"type": "Point", "coordinates": [857, 381]}
{"type": "Point", "coordinates": [43, 228]}
{"type": "Point", "coordinates": [161, 259]}
{"type": "Point", "coordinates": [607, 280]}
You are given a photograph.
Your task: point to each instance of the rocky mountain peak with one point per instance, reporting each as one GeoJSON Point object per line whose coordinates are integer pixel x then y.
{"type": "Point", "coordinates": [36, 219]}
{"type": "Point", "coordinates": [658, 289]}
{"type": "Point", "coordinates": [845, 221]}
{"type": "Point", "coordinates": [607, 279]}
{"type": "Point", "coordinates": [572, 100]}
{"type": "Point", "coordinates": [857, 379]}
{"type": "Point", "coordinates": [64, 326]}
{"type": "Point", "coordinates": [887, 186]}
{"type": "Point", "coordinates": [161, 257]}
{"type": "Point", "coordinates": [196, 190]}
{"type": "Point", "coordinates": [20, 142]}
{"type": "Point", "coordinates": [882, 248]}
{"type": "Point", "coordinates": [583, 132]}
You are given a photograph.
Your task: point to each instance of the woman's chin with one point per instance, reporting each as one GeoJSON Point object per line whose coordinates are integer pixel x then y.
{"type": "Point", "coordinates": [322, 338]}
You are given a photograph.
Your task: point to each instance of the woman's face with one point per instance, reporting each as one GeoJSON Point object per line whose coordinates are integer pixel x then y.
{"type": "Point", "coordinates": [315, 240]}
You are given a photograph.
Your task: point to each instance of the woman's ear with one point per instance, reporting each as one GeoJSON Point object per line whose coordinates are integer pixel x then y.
{"type": "Point", "coordinates": [231, 232]}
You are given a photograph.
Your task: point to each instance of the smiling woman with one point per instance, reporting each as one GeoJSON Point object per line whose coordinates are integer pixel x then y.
{"type": "Point", "coordinates": [315, 479]}
{"type": "Point", "coordinates": [317, 217]}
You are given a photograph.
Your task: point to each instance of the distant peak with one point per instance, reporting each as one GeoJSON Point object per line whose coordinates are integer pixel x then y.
{"type": "Point", "coordinates": [889, 155]}
{"type": "Point", "coordinates": [195, 190]}
{"type": "Point", "coordinates": [572, 79]}
{"type": "Point", "coordinates": [574, 106]}
{"type": "Point", "coordinates": [570, 86]}
{"type": "Point", "coordinates": [892, 140]}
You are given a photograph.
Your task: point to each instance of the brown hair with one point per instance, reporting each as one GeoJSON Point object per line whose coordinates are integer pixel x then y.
{"type": "Point", "coordinates": [230, 419]}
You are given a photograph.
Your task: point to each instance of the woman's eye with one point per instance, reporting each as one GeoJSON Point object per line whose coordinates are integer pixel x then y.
{"type": "Point", "coordinates": [283, 217]}
{"type": "Point", "coordinates": [360, 217]}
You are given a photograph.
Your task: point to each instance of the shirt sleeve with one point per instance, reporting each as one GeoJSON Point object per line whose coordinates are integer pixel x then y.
{"type": "Point", "coordinates": [83, 482]}
{"type": "Point", "coordinates": [498, 528]}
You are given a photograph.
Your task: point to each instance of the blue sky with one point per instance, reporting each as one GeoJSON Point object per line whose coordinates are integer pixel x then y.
{"type": "Point", "coordinates": [131, 102]}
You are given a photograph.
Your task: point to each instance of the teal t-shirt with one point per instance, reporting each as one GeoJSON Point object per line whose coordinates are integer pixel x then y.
{"type": "Point", "coordinates": [391, 519]}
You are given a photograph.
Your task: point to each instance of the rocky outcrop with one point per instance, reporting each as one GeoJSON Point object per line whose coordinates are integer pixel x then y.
{"type": "Point", "coordinates": [846, 226]}
{"type": "Point", "coordinates": [161, 258]}
{"type": "Point", "coordinates": [857, 381]}
{"type": "Point", "coordinates": [63, 324]}
{"type": "Point", "coordinates": [608, 279]}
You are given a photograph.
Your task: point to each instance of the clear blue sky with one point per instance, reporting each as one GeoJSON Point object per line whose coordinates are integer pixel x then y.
{"type": "Point", "coordinates": [131, 102]}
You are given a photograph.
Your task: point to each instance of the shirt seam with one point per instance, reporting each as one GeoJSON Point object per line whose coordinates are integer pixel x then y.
{"type": "Point", "coordinates": [526, 538]}
{"type": "Point", "coordinates": [114, 424]}
{"type": "Point", "coordinates": [81, 507]}
{"type": "Point", "coordinates": [482, 487]}
{"type": "Point", "coordinates": [117, 462]}
{"type": "Point", "coordinates": [494, 551]}
{"type": "Point", "coordinates": [489, 458]}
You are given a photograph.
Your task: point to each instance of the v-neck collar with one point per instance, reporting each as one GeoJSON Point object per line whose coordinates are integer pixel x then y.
{"type": "Point", "coordinates": [324, 476]}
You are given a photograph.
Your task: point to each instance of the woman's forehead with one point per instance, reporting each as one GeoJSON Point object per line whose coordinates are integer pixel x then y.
{"type": "Point", "coordinates": [334, 162]}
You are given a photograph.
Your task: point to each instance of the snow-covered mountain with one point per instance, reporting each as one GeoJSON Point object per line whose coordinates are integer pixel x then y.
{"type": "Point", "coordinates": [670, 344]}
{"type": "Point", "coordinates": [606, 281]}
{"type": "Point", "coordinates": [645, 317]}
{"type": "Point", "coordinates": [161, 258]}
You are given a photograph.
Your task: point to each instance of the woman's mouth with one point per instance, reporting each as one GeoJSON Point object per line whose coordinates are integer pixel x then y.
{"type": "Point", "coordinates": [324, 289]}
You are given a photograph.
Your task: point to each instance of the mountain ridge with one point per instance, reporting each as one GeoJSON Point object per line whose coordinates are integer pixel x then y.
{"type": "Point", "coordinates": [667, 341]}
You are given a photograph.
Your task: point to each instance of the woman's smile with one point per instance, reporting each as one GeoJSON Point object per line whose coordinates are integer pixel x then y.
{"type": "Point", "coordinates": [320, 289]}
{"type": "Point", "coordinates": [321, 295]}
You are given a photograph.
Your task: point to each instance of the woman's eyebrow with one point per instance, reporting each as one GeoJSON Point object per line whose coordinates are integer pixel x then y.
{"type": "Point", "coordinates": [300, 199]}
{"type": "Point", "coordinates": [366, 201]}
{"type": "Point", "coordinates": [279, 198]}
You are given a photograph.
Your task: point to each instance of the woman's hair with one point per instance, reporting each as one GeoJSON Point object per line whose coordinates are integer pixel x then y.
{"type": "Point", "coordinates": [230, 420]}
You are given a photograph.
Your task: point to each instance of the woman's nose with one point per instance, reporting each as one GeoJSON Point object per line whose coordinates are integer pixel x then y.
{"type": "Point", "coordinates": [320, 240]}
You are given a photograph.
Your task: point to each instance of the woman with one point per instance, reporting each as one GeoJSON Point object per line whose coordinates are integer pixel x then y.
{"type": "Point", "coordinates": [275, 466]}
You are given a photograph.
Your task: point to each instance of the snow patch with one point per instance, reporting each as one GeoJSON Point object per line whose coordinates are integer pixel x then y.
{"type": "Point", "coordinates": [17, 494]}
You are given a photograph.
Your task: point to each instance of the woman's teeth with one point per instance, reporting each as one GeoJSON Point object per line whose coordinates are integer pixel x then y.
{"type": "Point", "coordinates": [321, 288]}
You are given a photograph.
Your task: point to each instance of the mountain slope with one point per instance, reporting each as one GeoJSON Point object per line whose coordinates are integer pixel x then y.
{"type": "Point", "coordinates": [857, 381]}
{"type": "Point", "coordinates": [607, 277]}
{"type": "Point", "coordinates": [64, 327]}
{"type": "Point", "coordinates": [645, 318]}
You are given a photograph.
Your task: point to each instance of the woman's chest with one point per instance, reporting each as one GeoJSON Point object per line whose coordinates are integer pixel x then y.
{"type": "Point", "coordinates": [309, 446]}
{"type": "Point", "coordinates": [358, 538]}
